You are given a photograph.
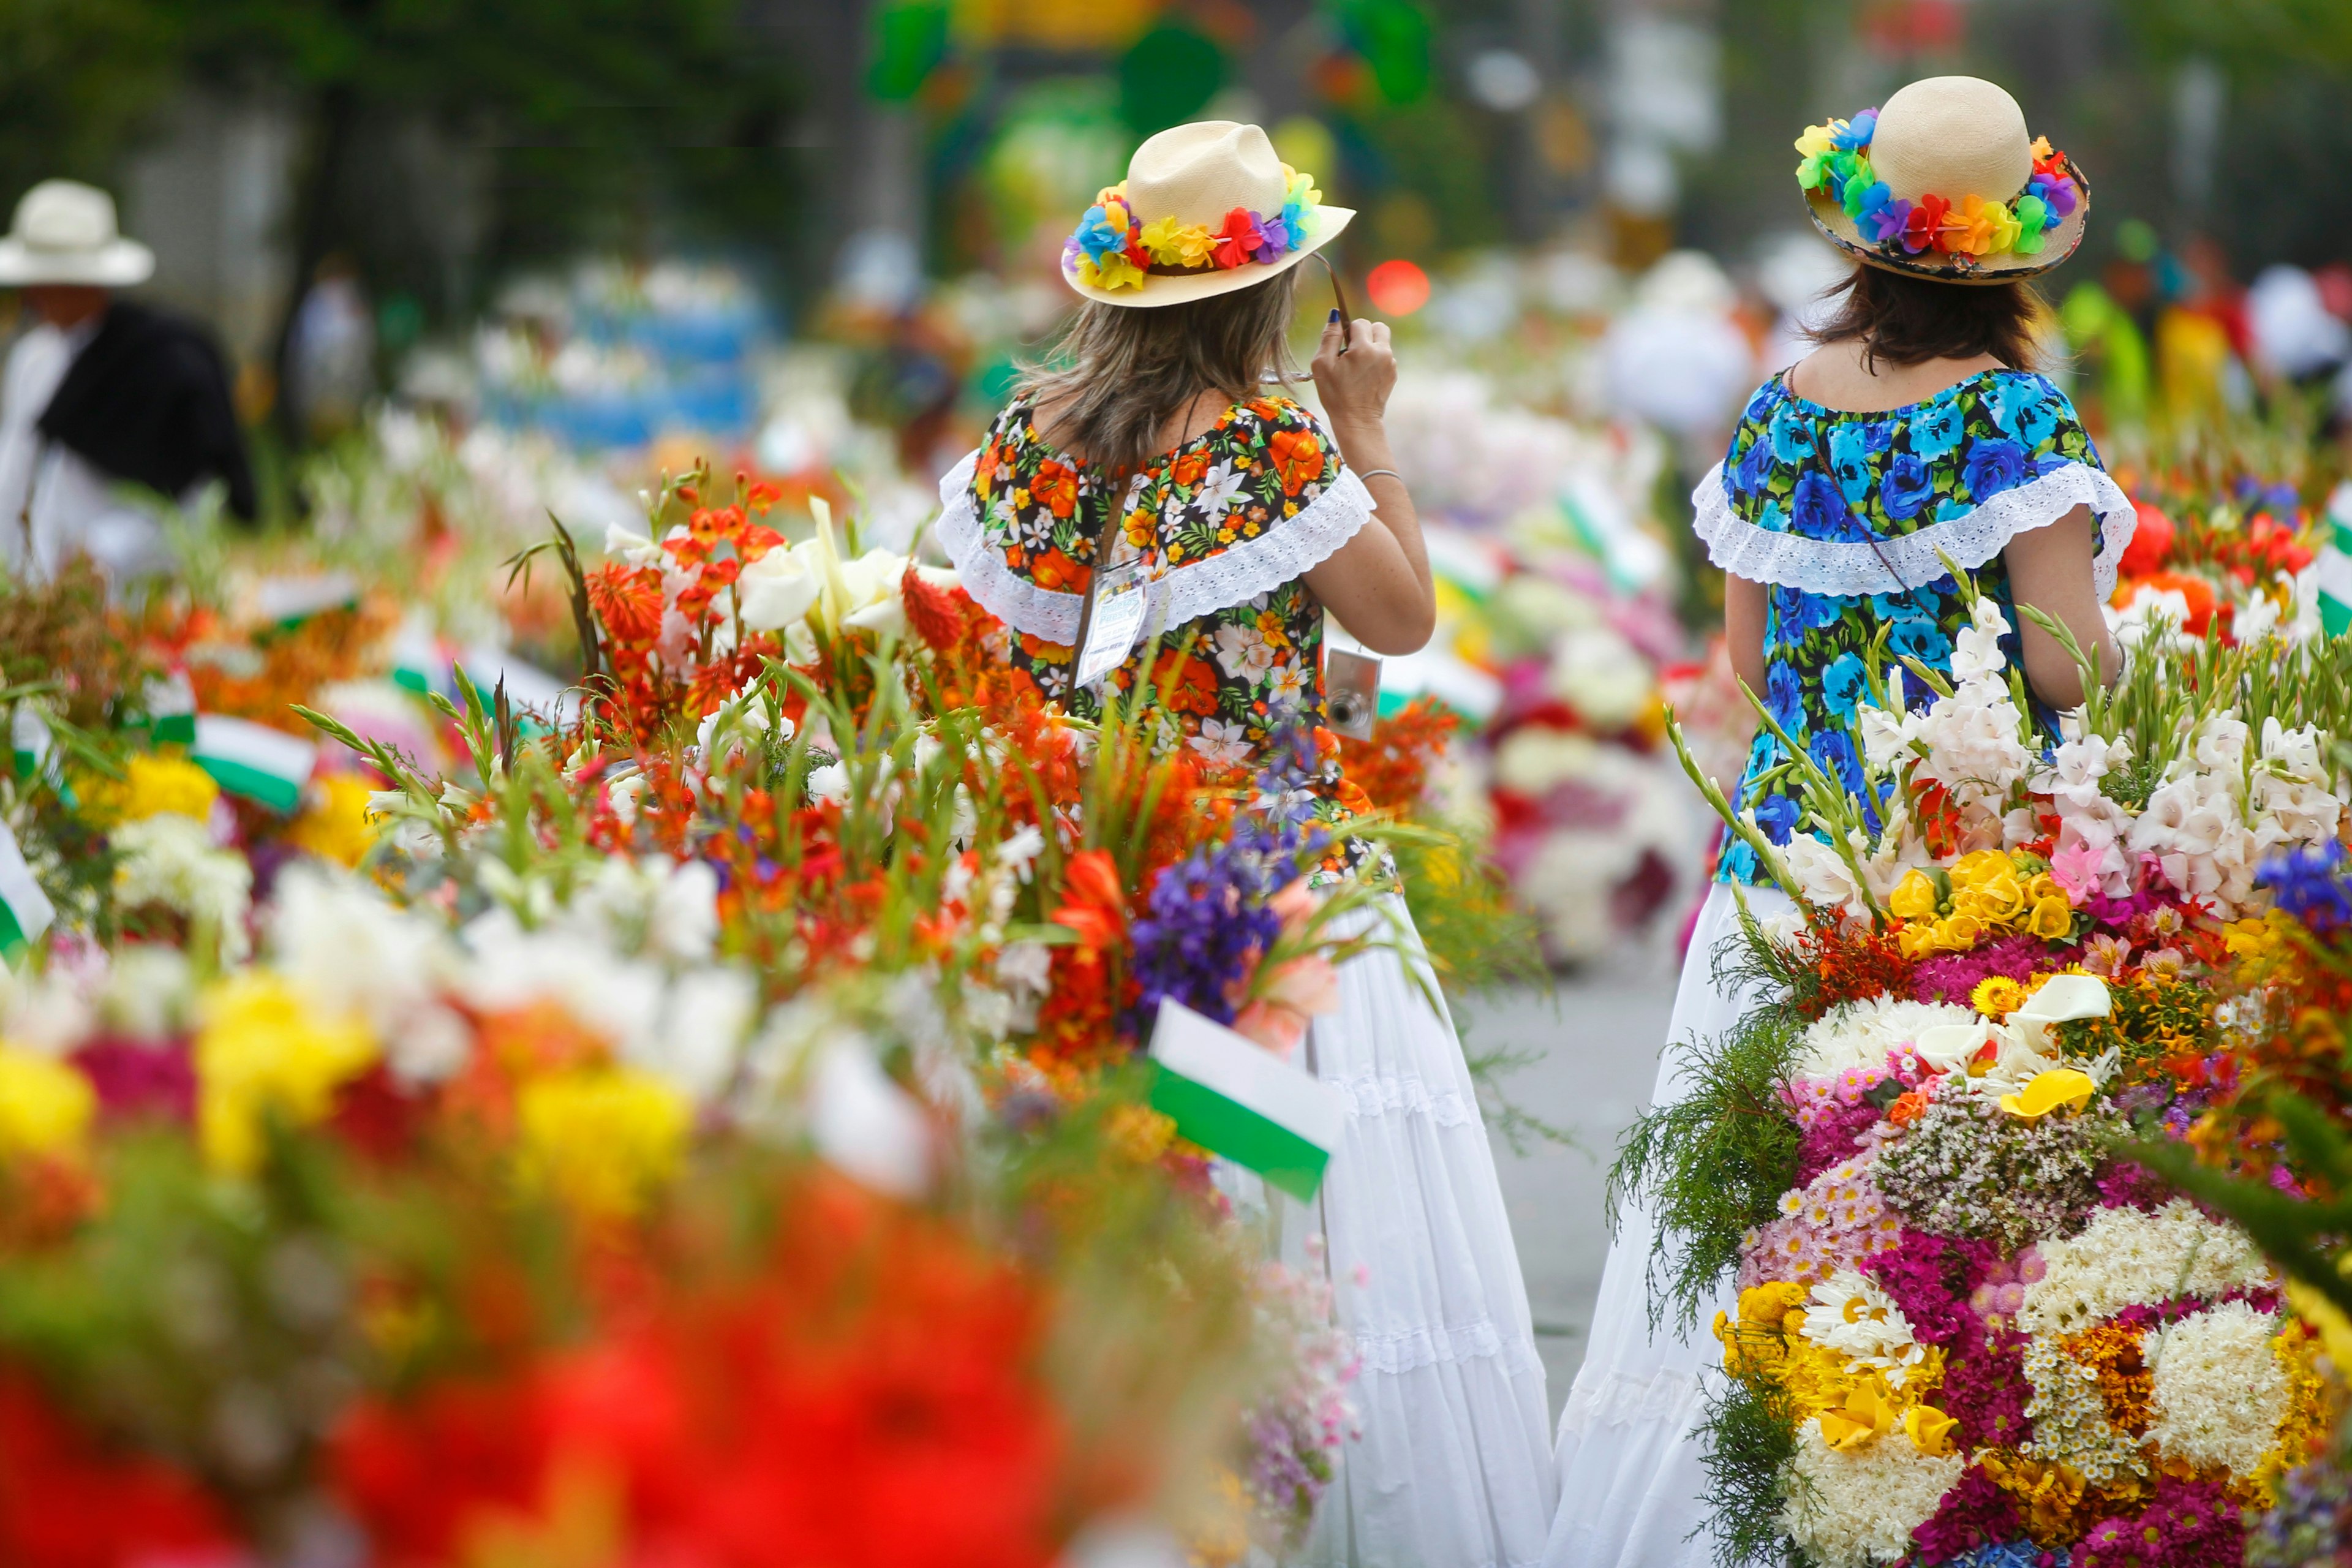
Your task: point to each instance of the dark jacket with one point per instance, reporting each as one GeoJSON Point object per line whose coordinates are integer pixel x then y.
{"type": "Point", "coordinates": [147, 400]}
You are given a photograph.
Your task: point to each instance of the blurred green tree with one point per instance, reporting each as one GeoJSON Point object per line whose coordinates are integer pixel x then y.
{"type": "Point", "coordinates": [611, 121]}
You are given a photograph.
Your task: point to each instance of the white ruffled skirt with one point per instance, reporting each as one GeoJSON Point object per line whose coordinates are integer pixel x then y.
{"type": "Point", "coordinates": [1452, 1468]}
{"type": "Point", "coordinates": [1631, 1494]}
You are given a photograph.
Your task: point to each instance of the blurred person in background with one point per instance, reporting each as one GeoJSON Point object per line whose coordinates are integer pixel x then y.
{"type": "Point", "coordinates": [100, 393]}
{"type": "Point", "coordinates": [330, 355]}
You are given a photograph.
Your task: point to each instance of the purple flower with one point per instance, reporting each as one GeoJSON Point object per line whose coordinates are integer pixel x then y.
{"type": "Point", "coordinates": [1207, 923]}
{"type": "Point", "coordinates": [1884, 220]}
{"type": "Point", "coordinates": [2311, 885]}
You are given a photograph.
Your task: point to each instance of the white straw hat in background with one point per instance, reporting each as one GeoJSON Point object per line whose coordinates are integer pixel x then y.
{"type": "Point", "coordinates": [65, 232]}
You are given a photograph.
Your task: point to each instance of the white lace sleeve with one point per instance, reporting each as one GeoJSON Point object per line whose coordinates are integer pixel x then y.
{"type": "Point", "coordinates": [1291, 547]}
{"type": "Point", "coordinates": [1845, 570]}
{"type": "Point", "coordinates": [1019, 603]}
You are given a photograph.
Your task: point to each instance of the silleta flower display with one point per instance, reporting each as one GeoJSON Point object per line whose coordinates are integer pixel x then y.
{"type": "Point", "coordinates": [1971, 1326]}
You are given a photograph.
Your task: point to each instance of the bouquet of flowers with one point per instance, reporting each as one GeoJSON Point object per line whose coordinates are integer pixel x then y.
{"type": "Point", "coordinates": [1971, 1325]}
{"type": "Point", "coordinates": [717, 1100]}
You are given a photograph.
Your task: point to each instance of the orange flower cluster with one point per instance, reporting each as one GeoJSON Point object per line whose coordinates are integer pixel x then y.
{"type": "Point", "coordinates": [1392, 767]}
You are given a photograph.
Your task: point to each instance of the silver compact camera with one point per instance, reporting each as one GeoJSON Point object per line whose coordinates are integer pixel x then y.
{"type": "Point", "coordinates": [1351, 692]}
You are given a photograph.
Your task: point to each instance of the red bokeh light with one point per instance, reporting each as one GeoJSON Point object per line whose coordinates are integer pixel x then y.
{"type": "Point", "coordinates": [1398, 288]}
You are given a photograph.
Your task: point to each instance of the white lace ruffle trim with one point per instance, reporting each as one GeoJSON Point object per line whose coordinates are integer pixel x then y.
{"type": "Point", "coordinates": [1410, 1350]}
{"type": "Point", "coordinates": [1620, 1399]}
{"type": "Point", "coordinates": [1845, 570]}
{"type": "Point", "coordinates": [1234, 576]}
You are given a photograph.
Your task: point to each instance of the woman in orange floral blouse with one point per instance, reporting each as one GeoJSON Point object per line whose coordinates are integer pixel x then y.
{"type": "Point", "coordinates": [1154, 437]}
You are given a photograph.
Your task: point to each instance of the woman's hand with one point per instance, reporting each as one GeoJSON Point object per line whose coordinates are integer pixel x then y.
{"type": "Point", "coordinates": [1354, 385]}
{"type": "Point", "coordinates": [1377, 584]}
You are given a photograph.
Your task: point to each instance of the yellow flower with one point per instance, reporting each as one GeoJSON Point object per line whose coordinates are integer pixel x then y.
{"type": "Point", "coordinates": [1930, 1429]}
{"type": "Point", "coordinates": [1113, 271]}
{"type": "Point", "coordinates": [2335, 1328]}
{"type": "Point", "coordinates": [1913, 898]}
{"type": "Point", "coordinates": [1139, 1132]}
{"type": "Point", "coordinates": [153, 784]}
{"type": "Point", "coordinates": [2051, 918]}
{"type": "Point", "coordinates": [2257, 936]}
{"type": "Point", "coordinates": [1958, 932]}
{"type": "Point", "coordinates": [261, 1052]}
{"type": "Point", "coordinates": [1997, 996]}
{"type": "Point", "coordinates": [336, 828]}
{"type": "Point", "coordinates": [1866, 1412]}
{"type": "Point", "coordinates": [1176, 244]}
{"type": "Point", "coordinates": [1815, 142]}
{"type": "Point", "coordinates": [45, 1107]}
{"type": "Point", "coordinates": [1300, 188]}
{"type": "Point", "coordinates": [601, 1139]}
{"type": "Point", "coordinates": [1919, 941]}
{"type": "Point", "coordinates": [1115, 215]}
{"type": "Point", "coordinates": [2048, 1091]}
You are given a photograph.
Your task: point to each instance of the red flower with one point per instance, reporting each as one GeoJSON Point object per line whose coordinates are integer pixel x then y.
{"type": "Point", "coordinates": [1926, 222]}
{"type": "Point", "coordinates": [627, 600]}
{"type": "Point", "coordinates": [1297, 458]}
{"type": "Point", "coordinates": [933, 612]}
{"type": "Point", "coordinates": [1239, 239]}
{"type": "Point", "coordinates": [1054, 488]}
{"type": "Point", "coordinates": [66, 1503]}
{"type": "Point", "coordinates": [1094, 905]}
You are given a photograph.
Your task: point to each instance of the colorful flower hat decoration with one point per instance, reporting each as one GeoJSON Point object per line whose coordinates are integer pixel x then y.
{"type": "Point", "coordinates": [1944, 182]}
{"type": "Point", "coordinates": [1205, 209]}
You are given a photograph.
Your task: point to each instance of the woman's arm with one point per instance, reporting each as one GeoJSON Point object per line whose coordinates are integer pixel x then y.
{"type": "Point", "coordinates": [1378, 584]}
{"type": "Point", "coordinates": [1744, 605]}
{"type": "Point", "coordinates": [2050, 569]}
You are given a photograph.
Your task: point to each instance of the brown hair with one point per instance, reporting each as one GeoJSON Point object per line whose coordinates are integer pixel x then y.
{"type": "Point", "coordinates": [1909, 321]}
{"type": "Point", "coordinates": [1121, 373]}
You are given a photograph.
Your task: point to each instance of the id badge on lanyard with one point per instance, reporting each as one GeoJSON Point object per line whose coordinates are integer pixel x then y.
{"type": "Point", "coordinates": [1117, 599]}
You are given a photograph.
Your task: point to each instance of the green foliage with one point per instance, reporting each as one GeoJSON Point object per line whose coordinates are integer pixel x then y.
{"type": "Point", "coordinates": [1747, 1437]}
{"type": "Point", "coordinates": [77, 78]}
{"type": "Point", "coordinates": [2304, 1237]}
{"type": "Point", "coordinates": [1713, 1163]}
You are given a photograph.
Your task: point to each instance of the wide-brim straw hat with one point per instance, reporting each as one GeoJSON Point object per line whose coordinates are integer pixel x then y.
{"type": "Point", "coordinates": [65, 232]}
{"type": "Point", "coordinates": [1198, 174]}
{"type": "Point", "coordinates": [1954, 137]}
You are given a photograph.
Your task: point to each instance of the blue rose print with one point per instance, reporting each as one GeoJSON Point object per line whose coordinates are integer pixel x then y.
{"type": "Point", "coordinates": [1755, 464]}
{"type": "Point", "coordinates": [1906, 487]}
{"type": "Point", "coordinates": [1775, 814]}
{"type": "Point", "coordinates": [1937, 431]}
{"type": "Point", "coordinates": [1773, 519]}
{"type": "Point", "coordinates": [1781, 696]}
{"type": "Point", "coordinates": [1844, 683]}
{"type": "Point", "coordinates": [1793, 437]}
{"type": "Point", "coordinates": [1850, 460]}
{"type": "Point", "coordinates": [1834, 750]}
{"type": "Point", "coordinates": [1821, 511]}
{"type": "Point", "coordinates": [1801, 613]}
{"type": "Point", "coordinates": [1992, 467]}
{"type": "Point", "coordinates": [1916, 637]}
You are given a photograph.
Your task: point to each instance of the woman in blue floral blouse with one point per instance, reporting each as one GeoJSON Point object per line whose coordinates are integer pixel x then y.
{"type": "Point", "coordinates": [1153, 447]}
{"type": "Point", "coordinates": [1919, 431]}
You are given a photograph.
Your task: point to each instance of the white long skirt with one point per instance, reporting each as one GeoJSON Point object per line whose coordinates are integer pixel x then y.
{"type": "Point", "coordinates": [1631, 1494]}
{"type": "Point", "coordinates": [1452, 1468]}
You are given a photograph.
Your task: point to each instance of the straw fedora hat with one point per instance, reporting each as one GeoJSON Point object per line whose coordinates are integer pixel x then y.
{"type": "Point", "coordinates": [1184, 187]}
{"type": "Point", "coordinates": [65, 232]}
{"type": "Point", "coordinates": [1946, 183]}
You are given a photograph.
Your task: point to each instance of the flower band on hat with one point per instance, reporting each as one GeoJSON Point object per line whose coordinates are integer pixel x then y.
{"type": "Point", "coordinates": [1970, 228]}
{"type": "Point", "coordinates": [1114, 248]}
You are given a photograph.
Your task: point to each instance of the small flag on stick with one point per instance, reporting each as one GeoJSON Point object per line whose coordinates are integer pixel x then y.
{"type": "Point", "coordinates": [255, 761]}
{"type": "Point", "coordinates": [1235, 1098]}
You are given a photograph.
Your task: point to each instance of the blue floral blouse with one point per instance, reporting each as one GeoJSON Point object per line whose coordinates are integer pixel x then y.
{"type": "Point", "coordinates": [1842, 516]}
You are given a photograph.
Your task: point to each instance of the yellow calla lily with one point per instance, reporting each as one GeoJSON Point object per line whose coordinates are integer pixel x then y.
{"type": "Point", "coordinates": [1866, 1413]}
{"type": "Point", "coordinates": [1930, 1429]}
{"type": "Point", "coordinates": [2048, 1091]}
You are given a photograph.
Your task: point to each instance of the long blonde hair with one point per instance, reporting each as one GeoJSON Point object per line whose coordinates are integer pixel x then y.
{"type": "Point", "coordinates": [1121, 373]}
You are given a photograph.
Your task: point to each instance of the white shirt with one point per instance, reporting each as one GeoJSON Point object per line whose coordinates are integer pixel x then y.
{"type": "Point", "coordinates": [68, 507]}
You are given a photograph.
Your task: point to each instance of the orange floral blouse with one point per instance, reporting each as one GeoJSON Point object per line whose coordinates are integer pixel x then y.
{"type": "Point", "coordinates": [1225, 525]}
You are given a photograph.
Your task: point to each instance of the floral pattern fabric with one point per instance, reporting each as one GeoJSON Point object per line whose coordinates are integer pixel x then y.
{"type": "Point", "coordinates": [1837, 478]}
{"type": "Point", "coordinates": [1237, 678]}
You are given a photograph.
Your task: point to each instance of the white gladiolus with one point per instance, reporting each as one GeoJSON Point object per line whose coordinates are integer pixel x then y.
{"type": "Point", "coordinates": [1976, 651]}
{"type": "Point", "coordinates": [779, 587]}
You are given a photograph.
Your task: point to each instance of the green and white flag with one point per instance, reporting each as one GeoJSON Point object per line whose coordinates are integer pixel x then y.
{"type": "Point", "coordinates": [171, 705]}
{"type": "Point", "coordinates": [24, 910]}
{"type": "Point", "coordinates": [1235, 1098]}
{"type": "Point", "coordinates": [28, 739]}
{"type": "Point", "coordinates": [255, 761]}
{"type": "Point", "coordinates": [2334, 564]}
{"type": "Point", "coordinates": [286, 602]}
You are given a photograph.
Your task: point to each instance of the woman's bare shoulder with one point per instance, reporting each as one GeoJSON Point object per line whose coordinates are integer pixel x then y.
{"type": "Point", "coordinates": [1836, 376]}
